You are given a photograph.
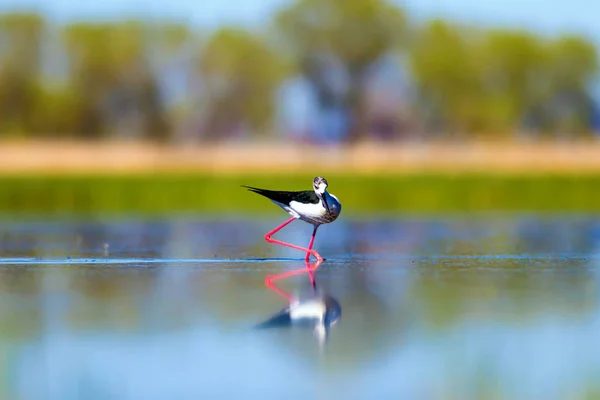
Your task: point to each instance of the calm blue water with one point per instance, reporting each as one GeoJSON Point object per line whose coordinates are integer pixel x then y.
{"type": "Point", "coordinates": [463, 307]}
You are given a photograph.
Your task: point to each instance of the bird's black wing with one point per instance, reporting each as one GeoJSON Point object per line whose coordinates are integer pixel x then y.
{"type": "Point", "coordinates": [304, 196]}
{"type": "Point", "coordinates": [278, 320]}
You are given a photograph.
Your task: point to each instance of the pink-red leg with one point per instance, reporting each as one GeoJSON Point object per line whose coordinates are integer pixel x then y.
{"type": "Point", "coordinates": [309, 251]}
{"type": "Point", "coordinates": [312, 241]}
{"type": "Point", "coordinates": [309, 269]}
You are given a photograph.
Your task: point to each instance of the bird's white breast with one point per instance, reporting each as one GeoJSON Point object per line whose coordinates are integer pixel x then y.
{"type": "Point", "coordinates": [309, 210]}
{"type": "Point", "coordinates": [308, 310]}
{"type": "Point", "coordinates": [314, 213]}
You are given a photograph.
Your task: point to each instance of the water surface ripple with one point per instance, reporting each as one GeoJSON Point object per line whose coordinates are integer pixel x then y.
{"type": "Point", "coordinates": [432, 308]}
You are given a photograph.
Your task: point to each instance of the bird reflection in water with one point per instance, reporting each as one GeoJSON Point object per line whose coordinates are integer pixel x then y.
{"type": "Point", "coordinates": [318, 311]}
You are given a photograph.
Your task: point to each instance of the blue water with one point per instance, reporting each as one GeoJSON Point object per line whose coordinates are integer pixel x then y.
{"type": "Point", "coordinates": [460, 307]}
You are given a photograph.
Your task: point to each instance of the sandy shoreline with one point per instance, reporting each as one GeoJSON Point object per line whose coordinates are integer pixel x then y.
{"type": "Point", "coordinates": [120, 157]}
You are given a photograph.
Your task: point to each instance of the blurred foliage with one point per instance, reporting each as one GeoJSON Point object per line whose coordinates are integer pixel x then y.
{"type": "Point", "coordinates": [241, 73]}
{"type": "Point", "coordinates": [358, 31]}
{"type": "Point", "coordinates": [482, 81]}
{"type": "Point", "coordinates": [100, 79]}
{"type": "Point", "coordinates": [360, 195]}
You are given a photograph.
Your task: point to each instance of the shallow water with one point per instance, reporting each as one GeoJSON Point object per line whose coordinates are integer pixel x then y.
{"type": "Point", "coordinates": [467, 306]}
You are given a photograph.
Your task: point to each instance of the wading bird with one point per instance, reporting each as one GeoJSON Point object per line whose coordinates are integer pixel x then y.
{"type": "Point", "coordinates": [315, 206]}
{"type": "Point", "coordinates": [319, 310]}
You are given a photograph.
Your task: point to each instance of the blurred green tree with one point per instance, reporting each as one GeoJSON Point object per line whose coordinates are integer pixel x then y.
{"type": "Point", "coordinates": [446, 75]}
{"type": "Point", "coordinates": [512, 64]}
{"type": "Point", "coordinates": [21, 38]}
{"type": "Point", "coordinates": [240, 71]}
{"type": "Point", "coordinates": [572, 65]}
{"type": "Point", "coordinates": [491, 82]}
{"type": "Point", "coordinates": [469, 81]}
{"type": "Point", "coordinates": [113, 81]}
{"type": "Point", "coordinates": [356, 31]}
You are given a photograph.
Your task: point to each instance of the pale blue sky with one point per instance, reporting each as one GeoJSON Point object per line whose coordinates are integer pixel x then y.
{"type": "Point", "coordinates": [544, 16]}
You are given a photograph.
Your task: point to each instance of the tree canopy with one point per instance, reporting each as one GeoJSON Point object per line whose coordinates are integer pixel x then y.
{"type": "Point", "coordinates": [95, 80]}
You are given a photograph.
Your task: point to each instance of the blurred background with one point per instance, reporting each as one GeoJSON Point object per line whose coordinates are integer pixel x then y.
{"type": "Point", "coordinates": [300, 71]}
{"type": "Point", "coordinates": [384, 86]}
{"type": "Point", "coordinates": [128, 250]}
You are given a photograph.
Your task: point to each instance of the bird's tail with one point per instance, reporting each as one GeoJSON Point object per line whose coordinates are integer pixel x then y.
{"type": "Point", "coordinates": [278, 320]}
{"type": "Point", "coordinates": [262, 192]}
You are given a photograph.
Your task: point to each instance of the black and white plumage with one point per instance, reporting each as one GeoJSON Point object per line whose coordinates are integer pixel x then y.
{"type": "Point", "coordinates": [316, 206]}
{"type": "Point", "coordinates": [317, 312]}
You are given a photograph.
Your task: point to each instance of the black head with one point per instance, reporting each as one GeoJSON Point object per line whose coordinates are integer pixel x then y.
{"type": "Point", "coordinates": [320, 184]}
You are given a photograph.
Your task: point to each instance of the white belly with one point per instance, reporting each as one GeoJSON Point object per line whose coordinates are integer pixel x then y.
{"type": "Point", "coordinates": [315, 213]}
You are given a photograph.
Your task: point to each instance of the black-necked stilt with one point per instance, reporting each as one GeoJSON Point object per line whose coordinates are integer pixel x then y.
{"type": "Point", "coordinates": [315, 206]}
{"type": "Point", "coordinates": [319, 312]}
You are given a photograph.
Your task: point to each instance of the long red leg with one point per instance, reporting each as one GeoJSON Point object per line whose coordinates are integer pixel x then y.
{"type": "Point", "coordinates": [309, 269]}
{"type": "Point", "coordinates": [275, 241]}
{"type": "Point", "coordinates": [310, 245]}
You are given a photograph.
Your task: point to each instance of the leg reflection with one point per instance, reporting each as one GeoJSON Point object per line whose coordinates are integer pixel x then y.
{"type": "Point", "coordinates": [318, 311]}
{"type": "Point", "coordinates": [309, 269]}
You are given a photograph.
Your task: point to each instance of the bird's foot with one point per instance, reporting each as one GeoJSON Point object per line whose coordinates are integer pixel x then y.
{"type": "Point", "coordinates": [316, 255]}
